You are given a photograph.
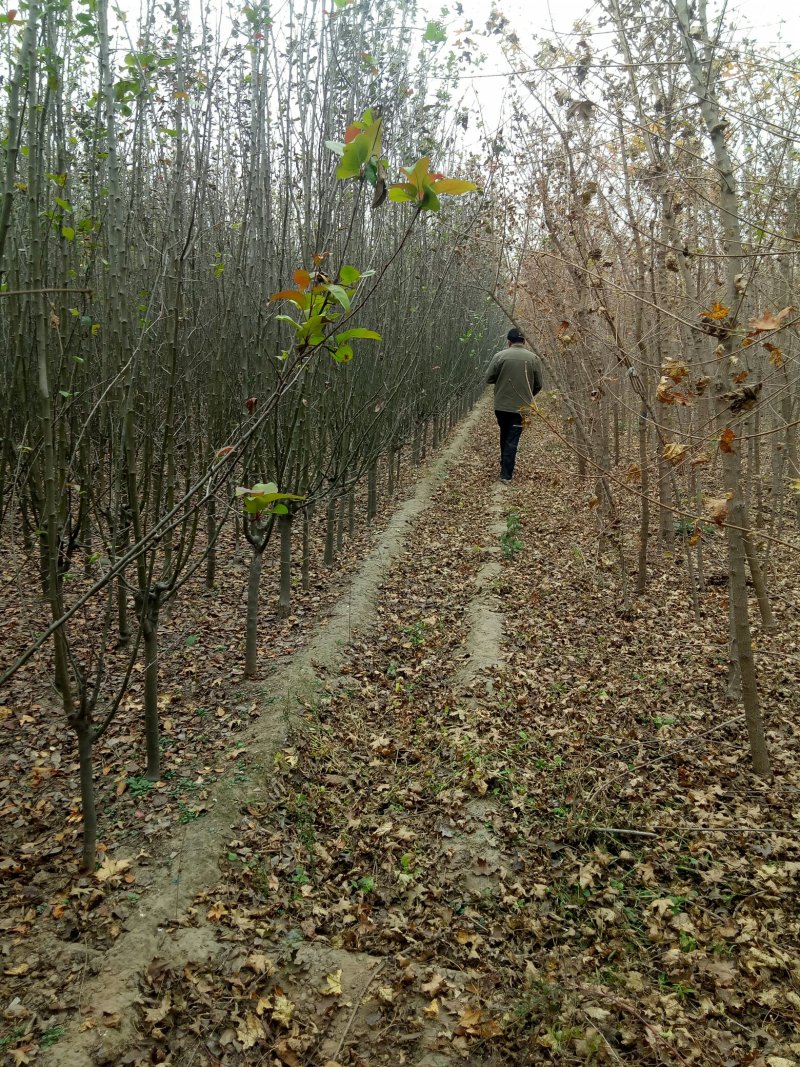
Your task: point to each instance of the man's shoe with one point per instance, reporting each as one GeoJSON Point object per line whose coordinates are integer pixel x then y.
{"type": "Point", "coordinates": [505, 480]}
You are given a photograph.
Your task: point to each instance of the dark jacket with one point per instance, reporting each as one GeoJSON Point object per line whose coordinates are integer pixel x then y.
{"type": "Point", "coordinates": [516, 374]}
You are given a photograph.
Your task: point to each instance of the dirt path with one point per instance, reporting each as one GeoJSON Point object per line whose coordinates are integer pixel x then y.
{"type": "Point", "coordinates": [114, 992]}
{"type": "Point", "coordinates": [491, 820]}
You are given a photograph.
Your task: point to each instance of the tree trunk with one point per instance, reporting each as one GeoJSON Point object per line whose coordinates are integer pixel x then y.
{"type": "Point", "coordinates": [330, 531]}
{"type": "Point", "coordinates": [150, 618]}
{"type": "Point", "coordinates": [251, 628]}
{"type": "Point", "coordinates": [306, 550]}
{"type": "Point", "coordinates": [285, 599]}
{"type": "Point", "coordinates": [644, 522]}
{"type": "Point", "coordinates": [211, 533]}
{"type": "Point", "coordinates": [83, 731]}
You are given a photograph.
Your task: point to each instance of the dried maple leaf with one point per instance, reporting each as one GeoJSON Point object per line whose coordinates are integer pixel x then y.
{"type": "Point", "coordinates": [775, 354]}
{"type": "Point", "coordinates": [716, 312]}
{"type": "Point", "coordinates": [284, 1010]}
{"type": "Point", "coordinates": [250, 1031]}
{"type": "Point", "coordinates": [434, 986]}
{"type": "Point", "coordinates": [110, 869]}
{"type": "Point", "coordinates": [717, 509]}
{"type": "Point", "coordinates": [768, 321]}
{"type": "Point", "coordinates": [160, 1011]}
{"type": "Point", "coordinates": [216, 911]}
{"type": "Point", "coordinates": [674, 453]}
{"type": "Point", "coordinates": [666, 393]}
{"type": "Point", "coordinates": [469, 1021]}
{"type": "Point", "coordinates": [260, 963]}
{"type": "Point", "coordinates": [333, 984]}
{"type": "Point", "coordinates": [675, 369]}
{"type": "Point", "coordinates": [727, 439]}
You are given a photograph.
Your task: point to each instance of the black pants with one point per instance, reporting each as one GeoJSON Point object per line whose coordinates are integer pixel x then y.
{"type": "Point", "coordinates": [510, 423]}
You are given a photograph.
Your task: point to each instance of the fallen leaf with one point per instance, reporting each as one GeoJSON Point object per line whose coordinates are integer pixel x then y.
{"type": "Point", "coordinates": [284, 1010]}
{"type": "Point", "coordinates": [111, 868]}
{"type": "Point", "coordinates": [333, 985]}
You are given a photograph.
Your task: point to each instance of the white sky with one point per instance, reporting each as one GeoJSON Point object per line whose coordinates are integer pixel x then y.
{"type": "Point", "coordinates": [763, 21]}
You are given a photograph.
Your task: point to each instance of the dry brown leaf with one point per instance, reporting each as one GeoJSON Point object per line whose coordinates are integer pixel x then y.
{"type": "Point", "coordinates": [110, 869]}
{"type": "Point", "coordinates": [250, 1031]}
{"type": "Point", "coordinates": [283, 1011]}
{"type": "Point", "coordinates": [726, 440]}
{"type": "Point", "coordinates": [333, 984]}
{"type": "Point", "coordinates": [675, 453]}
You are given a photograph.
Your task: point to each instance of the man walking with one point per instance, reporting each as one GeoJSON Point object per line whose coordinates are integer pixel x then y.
{"type": "Point", "coordinates": [516, 374]}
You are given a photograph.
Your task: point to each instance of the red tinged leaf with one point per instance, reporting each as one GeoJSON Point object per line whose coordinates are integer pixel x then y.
{"type": "Point", "coordinates": [726, 441]}
{"type": "Point", "coordinates": [302, 279]}
{"type": "Point", "coordinates": [288, 294]}
{"type": "Point", "coordinates": [250, 404]}
{"type": "Point", "coordinates": [352, 132]}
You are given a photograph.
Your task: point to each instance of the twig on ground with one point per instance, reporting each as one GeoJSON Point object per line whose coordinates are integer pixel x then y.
{"type": "Point", "coordinates": [356, 1006]}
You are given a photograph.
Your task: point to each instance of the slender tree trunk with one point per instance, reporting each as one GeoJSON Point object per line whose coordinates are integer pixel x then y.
{"type": "Point", "coordinates": [644, 521]}
{"type": "Point", "coordinates": [285, 600]}
{"type": "Point", "coordinates": [150, 619]}
{"type": "Point", "coordinates": [211, 533]}
{"type": "Point", "coordinates": [251, 628]}
{"type": "Point", "coordinates": [83, 731]}
{"type": "Point", "coordinates": [330, 531]}
{"type": "Point", "coordinates": [306, 564]}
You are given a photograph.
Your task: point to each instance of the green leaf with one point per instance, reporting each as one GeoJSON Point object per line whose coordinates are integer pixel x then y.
{"type": "Point", "coordinates": [288, 318]}
{"type": "Point", "coordinates": [64, 204]}
{"type": "Point", "coordinates": [68, 233]}
{"type": "Point", "coordinates": [343, 354]}
{"type": "Point", "coordinates": [354, 157]}
{"type": "Point", "coordinates": [454, 186]}
{"type": "Point", "coordinates": [358, 332]}
{"type": "Point", "coordinates": [349, 275]}
{"type": "Point", "coordinates": [339, 294]}
{"type": "Point", "coordinates": [403, 194]}
{"type": "Point", "coordinates": [435, 33]}
{"type": "Point", "coordinates": [280, 509]}
{"type": "Point", "coordinates": [313, 329]}
{"type": "Point", "coordinates": [335, 146]}
{"type": "Point", "coordinates": [430, 201]}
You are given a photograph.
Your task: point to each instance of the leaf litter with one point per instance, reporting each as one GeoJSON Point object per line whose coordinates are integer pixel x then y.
{"type": "Point", "coordinates": [561, 858]}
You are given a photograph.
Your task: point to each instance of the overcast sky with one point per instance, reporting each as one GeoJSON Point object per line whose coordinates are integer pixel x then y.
{"type": "Point", "coordinates": [764, 21]}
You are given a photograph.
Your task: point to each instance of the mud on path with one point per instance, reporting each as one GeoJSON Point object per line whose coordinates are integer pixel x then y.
{"type": "Point", "coordinates": [492, 821]}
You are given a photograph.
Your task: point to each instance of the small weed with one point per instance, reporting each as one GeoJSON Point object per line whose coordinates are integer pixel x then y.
{"type": "Point", "coordinates": [300, 876]}
{"type": "Point", "coordinates": [187, 814]}
{"type": "Point", "coordinates": [11, 1038]}
{"type": "Point", "coordinates": [365, 884]}
{"type": "Point", "coordinates": [509, 541]}
{"type": "Point", "coordinates": [139, 786]}
{"type": "Point", "coordinates": [51, 1036]}
{"type": "Point", "coordinates": [415, 634]}
{"type": "Point", "coordinates": [659, 721]}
